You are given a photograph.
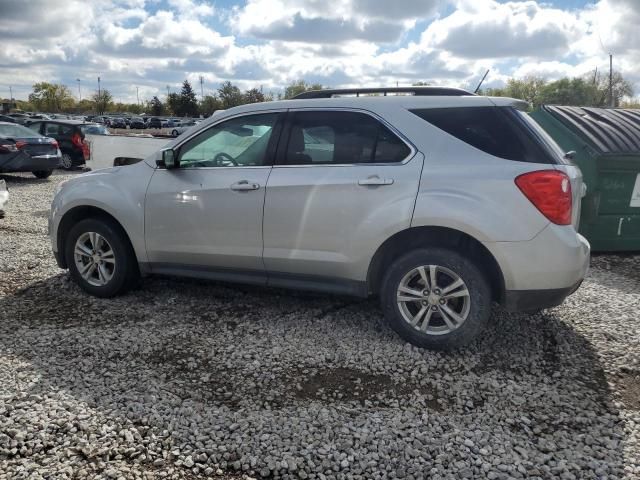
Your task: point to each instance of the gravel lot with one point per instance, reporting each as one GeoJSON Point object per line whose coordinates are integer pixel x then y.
{"type": "Point", "coordinates": [186, 379]}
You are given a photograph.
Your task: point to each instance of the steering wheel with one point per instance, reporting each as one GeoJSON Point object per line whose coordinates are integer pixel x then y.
{"type": "Point", "coordinates": [222, 157]}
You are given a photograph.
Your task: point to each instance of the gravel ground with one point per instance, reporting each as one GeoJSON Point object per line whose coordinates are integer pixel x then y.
{"type": "Point", "coordinates": [186, 379]}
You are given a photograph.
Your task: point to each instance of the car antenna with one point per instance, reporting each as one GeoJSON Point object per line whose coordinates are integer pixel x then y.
{"type": "Point", "coordinates": [481, 82]}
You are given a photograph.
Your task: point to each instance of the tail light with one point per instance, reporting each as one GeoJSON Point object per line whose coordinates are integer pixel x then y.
{"type": "Point", "coordinates": [76, 139]}
{"type": "Point", "coordinates": [20, 144]}
{"type": "Point", "coordinates": [54, 143]}
{"type": "Point", "coordinates": [86, 152]}
{"type": "Point", "coordinates": [550, 192]}
{"type": "Point", "coordinates": [8, 147]}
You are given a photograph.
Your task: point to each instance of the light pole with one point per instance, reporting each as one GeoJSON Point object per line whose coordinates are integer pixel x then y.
{"type": "Point", "coordinates": [167, 91]}
{"type": "Point", "coordinates": [99, 98]}
{"type": "Point", "coordinates": [201, 88]}
{"type": "Point", "coordinates": [79, 92]}
{"type": "Point", "coordinates": [138, 95]}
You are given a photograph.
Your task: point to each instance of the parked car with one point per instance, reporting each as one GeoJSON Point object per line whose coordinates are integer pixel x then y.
{"type": "Point", "coordinates": [170, 123]}
{"type": "Point", "coordinates": [439, 202]}
{"type": "Point", "coordinates": [118, 123]}
{"type": "Point", "coordinates": [35, 118]}
{"type": "Point", "coordinates": [154, 122]}
{"type": "Point", "coordinates": [70, 136]}
{"type": "Point", "coordinates": [137, 123]}
{"type": "Point", "coordinates": [7, 118]}
{"type": "Point", "coordinates": [184, 126]}
{"type": "Point", "coordinates": [4, 197]}
{"type": "Point", "coordinates": [20, 118]}
{"type": "Point", "coordinates": [23, 150]}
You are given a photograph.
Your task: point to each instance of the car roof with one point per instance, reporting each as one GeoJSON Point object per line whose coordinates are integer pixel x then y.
{"type": "Point", "coordinates": [64, 121]}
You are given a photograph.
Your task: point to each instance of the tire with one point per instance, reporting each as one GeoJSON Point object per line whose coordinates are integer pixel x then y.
{"type": "Point", "coordinates": [443, 330]}
{"type": "Point", "coordinates": [42, 173]}
{"type": "Point", "coordinates": [174, 133]}
{"type": "Point", "coordinates": [66, 161]}
{"type": "Point", "coordinates": [121, 277]}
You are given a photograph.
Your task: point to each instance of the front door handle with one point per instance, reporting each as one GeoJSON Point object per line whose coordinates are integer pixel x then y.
{"type": "Point", "coordinates": [375, 180]}
{"type": "Point", "coordinates": [244, 185]}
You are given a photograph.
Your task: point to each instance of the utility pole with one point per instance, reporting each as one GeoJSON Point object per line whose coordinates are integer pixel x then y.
{"type": "Point", "coordinates": [79, 92]}
{"type": "Point", "coordinates": [611, 99]}
{"type": "Point", "coordinates": [201, 88]}
{"type": "Point", "coordinates": [99, 98]}
{"type": "Point", "coordinates": [167, 91]}
{"type": "Point", "coordinates": [11, 93]}
{"type": "Point", "coordinates": [137, 95]}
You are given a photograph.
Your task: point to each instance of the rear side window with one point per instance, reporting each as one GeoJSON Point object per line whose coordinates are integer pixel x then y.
{"type": "Point", "coordinates": [498, 131]}
{"type": "Point", "coordinates": [334, 137]}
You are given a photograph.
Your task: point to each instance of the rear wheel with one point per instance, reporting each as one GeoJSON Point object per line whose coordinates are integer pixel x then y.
{"type": "Point", "coordinates": [436, 298]}
{"type": "Point", "coordinates": [174, 133]}
{"type": "Point", "coordinates": [100, 258]}
{"type": "Point", "coordinates": [66, 161]}
{"type": "Point", "coordinates": [42, 173]}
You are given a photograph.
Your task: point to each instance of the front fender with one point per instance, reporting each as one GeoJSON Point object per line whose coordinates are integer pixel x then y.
{"type": "Point", "coordinates": [120, 192]}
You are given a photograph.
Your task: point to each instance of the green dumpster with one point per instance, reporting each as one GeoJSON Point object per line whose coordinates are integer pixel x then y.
{"type": "Point", "coordinates": [606, 143]}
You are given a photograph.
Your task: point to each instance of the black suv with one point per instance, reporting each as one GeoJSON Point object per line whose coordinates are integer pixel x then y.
{"type": "Point", "coordinates": [154, 122]}
{"type": "Point", "coordinates": [70, 137]}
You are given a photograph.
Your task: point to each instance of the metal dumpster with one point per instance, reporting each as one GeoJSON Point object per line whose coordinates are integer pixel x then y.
{"type": "Point", "coordinates": [607, 146]}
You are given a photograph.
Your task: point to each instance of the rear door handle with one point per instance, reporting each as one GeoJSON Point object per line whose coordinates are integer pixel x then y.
{"type": "Point", "coordinates": [244, 186]}
{"type": "Point", "coordinates": [375, 180]}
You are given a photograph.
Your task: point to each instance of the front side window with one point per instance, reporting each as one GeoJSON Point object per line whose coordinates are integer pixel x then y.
{"type": "Point", "coordinates": [335, 137]}
{"type": "Point", "coordinates": [239, 142]}
{"type": "Point", "coordinates": [51, 129]}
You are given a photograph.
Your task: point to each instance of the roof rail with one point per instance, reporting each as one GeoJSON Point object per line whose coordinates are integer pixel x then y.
{"type": "Point", "coordinates": [417, 91]}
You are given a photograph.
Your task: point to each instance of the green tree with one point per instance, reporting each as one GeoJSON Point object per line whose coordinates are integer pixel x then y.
{"type": "Point", "coordinates": [156, 106]}
{"type": "Point", "coordinates": [253, 95]}
{"type": "Point", "coordinates": [299, 86]}
{"type": "Point", "coordinates": [230, 95]}
{"type": "Point", "coordinates": [51, 97]}
{"type": "Point", "coordinates": [102, 100]}
{"type": "Point", "coordinates": [188, 103]}
{"type": "Point", "coordinates": [569, 91]}
{"type": "Point", "coordinates": [621, 88]}
{"type": "Point", "coordinates": [209, 105]}
{"type": "Point", "coordinates": [173, 102]}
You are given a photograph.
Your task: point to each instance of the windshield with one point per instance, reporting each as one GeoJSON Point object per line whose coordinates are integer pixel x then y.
{"type": "Point", "coordinates": [94, 129]}
{"type": "Point", "coordinates": [17, 131]}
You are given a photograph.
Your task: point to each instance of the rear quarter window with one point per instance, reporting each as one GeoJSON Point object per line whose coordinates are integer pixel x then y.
{"type": "Point", "coordinates": [498, 131]}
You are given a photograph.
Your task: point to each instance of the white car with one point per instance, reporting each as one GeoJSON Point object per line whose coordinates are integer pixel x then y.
{"type": "Point", "coordinates": [4, 197]}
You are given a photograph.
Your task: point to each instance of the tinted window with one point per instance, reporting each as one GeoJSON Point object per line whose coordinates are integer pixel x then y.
{"type": "Point", "coordinates": [94, 129]}
{"type": "Point", "coordinates": [238, 142]}
{"type": "Point", "coordinates": [51, 129]}
{"type": "Point", "coordinates": [497, 131]}
{"type": "Point", "coordinates": [334, 137]}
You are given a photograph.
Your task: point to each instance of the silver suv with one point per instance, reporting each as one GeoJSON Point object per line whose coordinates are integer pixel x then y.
{"type": "Point", "coordinates": [440, 202]}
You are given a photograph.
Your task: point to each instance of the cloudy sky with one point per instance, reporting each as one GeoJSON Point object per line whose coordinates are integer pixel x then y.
{"type": "Point", "coordinates": [155, 44]}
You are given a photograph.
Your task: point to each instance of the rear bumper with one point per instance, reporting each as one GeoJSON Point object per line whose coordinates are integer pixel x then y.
{"type": "Point", "coordinates": [528, 300]}
{"type": "Point", "coordinates": [27, 163]}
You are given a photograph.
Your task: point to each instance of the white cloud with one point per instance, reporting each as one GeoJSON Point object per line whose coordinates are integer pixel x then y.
{"type": "Point", "coordinates": [152, 44]}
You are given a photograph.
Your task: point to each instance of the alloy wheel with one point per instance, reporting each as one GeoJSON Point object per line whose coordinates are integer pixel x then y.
{"type": "Point", "coordinates": [433, 299]}
{"type": "Point", "coordinates": [94, 259]}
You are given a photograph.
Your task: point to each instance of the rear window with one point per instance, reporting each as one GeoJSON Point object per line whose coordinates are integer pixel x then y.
{"type": "Point", "coordinates": [498, 131]}
{"type": "Point", "coordinates": [17, 131]}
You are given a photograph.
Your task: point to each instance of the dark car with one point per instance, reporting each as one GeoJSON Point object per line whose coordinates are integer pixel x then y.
{"type": "Point", "coordinates": [70, 136]}
{"type": "Point", "coordinates": [118, 123]}
{"type": "Point", "coordinates": [23, 150]}
{"type": "Point", "coordinates": [7, 118]}
{"type": "Point", "coordinates": [137, 122]}
{"type": "Point", "coordinates": [19, 117]}
{"type": "Point", "coordinates": [154, 122]}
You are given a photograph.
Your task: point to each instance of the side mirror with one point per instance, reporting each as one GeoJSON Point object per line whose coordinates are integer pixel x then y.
{"type": "Point", "coordinates": [169, 159]}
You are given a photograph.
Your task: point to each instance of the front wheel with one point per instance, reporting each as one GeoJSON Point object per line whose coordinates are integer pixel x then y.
{"type": "Point", "coordinates": [174, 133]}
{"type": "Point", "coordinates": [42, 173]}
{"type": "Point", "coordinates": [100, 259]}
{"type": "Point", "coordinates": [436, 298]}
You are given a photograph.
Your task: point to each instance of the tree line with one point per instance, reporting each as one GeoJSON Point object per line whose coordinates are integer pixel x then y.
{"type": "Point", "coordinates": [57, 98]}
{"type": "Point", "coordinates": [589, 91]}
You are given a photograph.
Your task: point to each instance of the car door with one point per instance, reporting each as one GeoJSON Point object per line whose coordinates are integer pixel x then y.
{"type": "Point", "coordinates": [206, 215]}
{"type": "Point", "coordinates": [343, 182]}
